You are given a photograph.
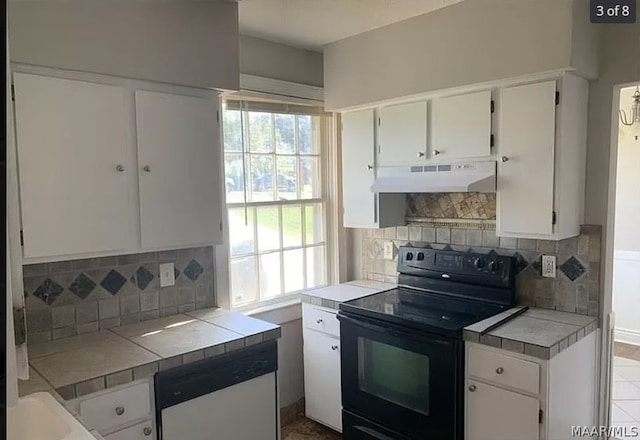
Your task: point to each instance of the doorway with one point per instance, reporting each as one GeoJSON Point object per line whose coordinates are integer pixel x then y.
{"type": "Point", "coordinates": [624, 260]}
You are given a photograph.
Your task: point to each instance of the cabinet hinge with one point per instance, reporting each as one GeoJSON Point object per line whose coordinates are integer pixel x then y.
{"type": "Point", "coordinates": [220, 225]}
{"type": "Point", "coordinates": [557, 98]}
{"type": "Point", "coordinates": [13, 92]}
{"type": "Point", "coordinates": [492, 141]}
{"type": "Point", "coordinates": [540, 416]}
{"type": "Point", "coordinates": [21, 238]}
{"type": "Point", "coordinates": [493, 106]}
{"type": "Point", "coordinates": [19, 326]}
{"type": "Point", "coordinates": [553, 218]}
{"type": "Point", "coordinates": [378, 122]}
{"type": "Point", "coordinates": [218, 115]}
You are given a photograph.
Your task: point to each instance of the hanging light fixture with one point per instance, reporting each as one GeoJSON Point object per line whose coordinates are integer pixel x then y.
{"type": "Point", "coordinates": [634, 114]}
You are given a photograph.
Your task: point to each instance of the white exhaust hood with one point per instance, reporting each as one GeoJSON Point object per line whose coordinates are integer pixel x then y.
{"type": "Point", "coordinates": [455, 177]}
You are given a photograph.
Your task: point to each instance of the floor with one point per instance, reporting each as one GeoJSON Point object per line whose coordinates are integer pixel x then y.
{"type": "Point", "coordinates": [305, 429]}
{"type": "Point", "coordinates": [625, 412]}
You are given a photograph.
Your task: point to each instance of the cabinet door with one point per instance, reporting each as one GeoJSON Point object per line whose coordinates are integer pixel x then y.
{"type": "Point", "coordinates": [402, 133]}
{"type": "Point", "coordinates": [358, 149]}
{"type": "Point", "coordinates": [322, 379]}
{"type": "Point", "coordinates": [74, 166]}
{"type": "Point", "coordinates": [497, 414]}
{"type": "Point", "coordinates": [524, 198]}
{"type": "Point", "coordinates": [141, 431]}
{"type": "Point", "coordinates": [179, 161]}
{"type": "Point", "coordinates": [461, 126]}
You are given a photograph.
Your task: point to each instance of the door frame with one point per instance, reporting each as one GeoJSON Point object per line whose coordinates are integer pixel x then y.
{"type": "Point", "coordinates": [607, 313]}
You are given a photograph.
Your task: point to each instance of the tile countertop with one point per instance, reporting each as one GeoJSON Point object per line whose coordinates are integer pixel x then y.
{"type": "Point", "coordinates": [537, 332]}
{"type": "Point", "coordinates": [332, 296]}
{"type": "Point", "coordinates": [87, 363]}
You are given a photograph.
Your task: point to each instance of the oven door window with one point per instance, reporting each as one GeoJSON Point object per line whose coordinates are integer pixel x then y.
{"type": "Point", "coordinates": [394, 374]}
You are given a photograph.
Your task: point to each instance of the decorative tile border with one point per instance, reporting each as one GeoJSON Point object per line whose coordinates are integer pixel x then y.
{"type": "Point", "coordinates": [537, 351]}
{"type": "Point", "coordinates": [316, 301]}
{"type": "Point", "coordinates": [144, 371]}
{"type": "Point", "coordinates": [72, 297]}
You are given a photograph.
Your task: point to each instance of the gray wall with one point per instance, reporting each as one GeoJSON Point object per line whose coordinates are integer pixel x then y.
{"type": "Point", "coordinates": [189, 43]}
{"type": "Point", "coordinates": [467, 43]}
{"type": "Point", "coordinates": [278, 61]}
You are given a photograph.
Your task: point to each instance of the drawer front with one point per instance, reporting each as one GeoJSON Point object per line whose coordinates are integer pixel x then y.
{"type": "Point", "coordinates": [141, 431]}
{"type": "Point", "coordinates": [114, 409]}
{"type": "Point", "coordinates": [506, 370]}
{"type": "Point", "coordinates": [321, 319]}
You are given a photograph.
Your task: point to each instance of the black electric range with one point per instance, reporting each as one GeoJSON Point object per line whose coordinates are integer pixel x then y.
{"type": "Point", "coordinates": [402, 354]}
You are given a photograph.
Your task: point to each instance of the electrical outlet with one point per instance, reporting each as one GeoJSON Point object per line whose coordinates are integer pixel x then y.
{"type": "Point", "coordinates": [549, 266]}
{"type": "Point", "coordinates": [388, 250]}
{"type": "Point", "coordinates": [167, 275]}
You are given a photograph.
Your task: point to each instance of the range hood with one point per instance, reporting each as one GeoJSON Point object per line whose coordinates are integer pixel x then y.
{"type": "Point", "coordinates": [454, 177]}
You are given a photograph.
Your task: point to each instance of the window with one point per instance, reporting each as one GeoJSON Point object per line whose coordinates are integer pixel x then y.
{"type": "Point", "coordinates": [275, 200]}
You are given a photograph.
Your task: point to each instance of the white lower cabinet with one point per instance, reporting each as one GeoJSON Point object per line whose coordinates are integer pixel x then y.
{"type": "Point", "coordinates": [141, 431]}
{"type": "Point", "coordinates": [323, 401]}
{"type": "Point", "coordinates": [513, 396]}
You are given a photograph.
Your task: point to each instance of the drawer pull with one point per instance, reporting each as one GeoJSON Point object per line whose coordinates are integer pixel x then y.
{"type": "Point", "coordinates": [472, 388]}
{"type": "Point", "coordinates": [499, 370]}
{"type": "Point", "coordinates": [120, 410]}
{"type": "Point", "coordinates": [146, 431]}
{"type": "Point", "coordinates": [319, 321]}
{"type": "Point", "coordinates": [334, 347]}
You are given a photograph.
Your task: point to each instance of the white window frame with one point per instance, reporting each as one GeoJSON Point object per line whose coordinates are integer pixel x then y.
{"type": "Point", "coordinates": [329, 175]}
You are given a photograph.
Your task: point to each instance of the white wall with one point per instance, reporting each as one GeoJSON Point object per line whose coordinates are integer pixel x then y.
{"type": "Point", "coordinates": [181, 42]}
{"type": "Point", "coordinates": [277, 61]}
{"type": "Point", "coordinates": [467, 43]}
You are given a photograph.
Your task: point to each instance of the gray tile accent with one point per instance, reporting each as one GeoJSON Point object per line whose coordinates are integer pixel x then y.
{"type": "Point", "coordinates": [63, 316]}
{"type": "Point", "coordinates": [194, 356]}
{"type": "Point", "coordinates": [119, 378]}
{"type": "Point", "coordinates": [63, 332]}
{"type": "Point", "coordinates": [67, 393]}
{"type": "Point", "coordinates": [90, 386]}
{"type": "Point", "coordinates": [234, 345]}
{"type": "Point", "coordinates": [214, 351]}
{"type": "Point", "coordinates": [109, 323]}
{"type": "Point", "coordinates": [145, 371]}
{"type": "Point", "coordinates": [88, 327]}
{"type": "Point", "coordinates": [167, 364]}
{"type": "Point", "coordinates": [253, 339]}
{"type": "Point", "coordinates": [515, 346]}
{"type": "Point", "coordinates": [491, 340]}
{"type": "Point", "coordinates": [536, 351]}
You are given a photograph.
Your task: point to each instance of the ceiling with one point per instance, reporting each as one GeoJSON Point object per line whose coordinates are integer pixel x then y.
{"type": "Point", "coordinates": [311, 24]}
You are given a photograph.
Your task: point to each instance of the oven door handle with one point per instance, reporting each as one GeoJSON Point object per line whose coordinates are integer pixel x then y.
{"type": "Point", "coordinates": [371, 433]}
{"type": "Point", "coordinates": [393, 331]}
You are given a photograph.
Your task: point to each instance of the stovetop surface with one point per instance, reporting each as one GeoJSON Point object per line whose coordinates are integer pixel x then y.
{"type": "Point", "coordinates": [424, 310]}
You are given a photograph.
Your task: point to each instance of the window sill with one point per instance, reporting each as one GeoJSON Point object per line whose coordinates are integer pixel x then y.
{"type": "Point", "coordinates": [287, 310]}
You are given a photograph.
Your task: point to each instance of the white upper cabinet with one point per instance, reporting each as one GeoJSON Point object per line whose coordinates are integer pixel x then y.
{"type": "Point", "coordinates": [461, 126]}
{"type": "Point", "coordinates": [75, 166]}
{"type": "Point", "coordinates": [402, 134]}
{"type": "Point", "coordinates": [541, 162]}
{"type": "Point", "coordinates": [525, 169]}
{"type": "Point", "coordinates": [179, 169]}
{"type": "Point", "coordinates": [362, 207]}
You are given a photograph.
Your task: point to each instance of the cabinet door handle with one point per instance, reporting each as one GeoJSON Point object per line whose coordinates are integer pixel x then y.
{"type": "Point", "coordinates": [120, 168]}
{"type": "Point", "coordinates": [504, 159]}
{"type": "Point", "coordinates": [147, 169]}
{"type": "Point", "coordinates": [369, 167]}
{"type": "Point", "coordinates": [420, 154]}
{"type": "Point", "coordinates": [146, 431]}
{"type": "Point", "coordinates": [472, 388]}
{"type": "Point", "coordinates": [334, 347]}
{"type": "Point", "coordinates": [120, 410]}
{"type": "Point", "coordinates": [436, 152]}
{"type": "Point", "coordinates": [319, 321]}
{"type": "Point", "coordinates": [499, 370]}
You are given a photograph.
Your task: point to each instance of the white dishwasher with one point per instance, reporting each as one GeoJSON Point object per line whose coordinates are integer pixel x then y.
{"type": "Point", "coordinates": [229, 397]}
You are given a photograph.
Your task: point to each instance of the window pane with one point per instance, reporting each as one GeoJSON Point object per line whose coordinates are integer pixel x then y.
{"type": "Point", "coordinates": [244, 282]}
{"type": "Point", "coordinates": [285, 133]}
{"type": "Point", "coordinates": [260, 132]}
{"type": "Point", "coordinates": [306, 136]}
{"type": "Point", "coordinates": [270, 275]}
{"type": "Point", "coordinates": [292, 226]}
{"type": "Point", "coordinates": [293, 270]}
{"type": "Point", "coordinates": [234, 175]}
{"type": "Point", "coordinates": [241, 239]}
{"type": "Point", "coordinates": [232, 130]}
{"type": "Point", "coordinates": [313, 224]}
{"type": "Point", "coordinates": [310, 178]}
{"type": "Point", "coordinates": [287, 181]}
{"type": "Point", "coordinates": [316, 266]}
{"type": "Point", "coordinates": [268, 228]}
{"type": "Point", "coordinates": [261, 178]}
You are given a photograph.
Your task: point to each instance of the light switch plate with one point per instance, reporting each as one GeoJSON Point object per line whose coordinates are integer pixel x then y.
{"type": "Point", "coordinates": [167, 275]}
{"type": "Point", "coordinates": [388, 250]}
{"type": "Point", "coordinates": [549, 266]}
